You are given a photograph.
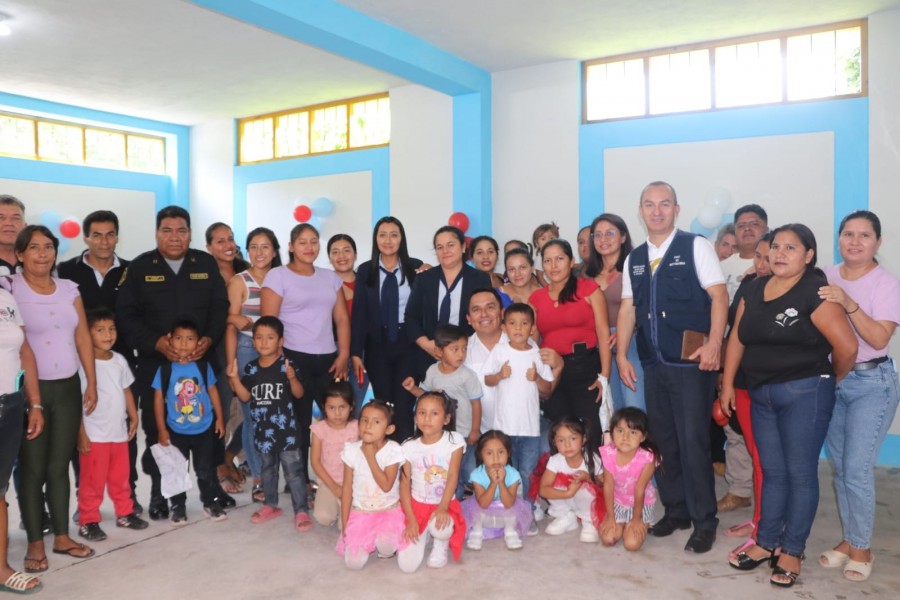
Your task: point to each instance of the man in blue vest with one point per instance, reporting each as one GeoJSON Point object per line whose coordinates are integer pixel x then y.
{"type": "Point", "coordinates": [673, 284]}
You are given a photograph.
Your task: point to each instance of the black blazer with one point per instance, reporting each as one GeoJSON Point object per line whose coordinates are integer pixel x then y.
{"type": "Point", "coordinates": [365, 322]}
{"type": "Point", "coordinates": [421, 310]}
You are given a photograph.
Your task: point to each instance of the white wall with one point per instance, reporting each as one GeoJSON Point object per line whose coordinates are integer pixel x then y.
{"type": "Point", "coordinates": [212, 189]}
{"type": "Point", "coordinates": [421, 164]}
{"type": "Point", "coordinates": [136, 212]}
{"type": "Point", "coordinates": [884, 141]}
{"type": "Point", "coordinates": [799, 173]}
{"type": "Point", "coordinates": [535, 156]}
{"type": "Point", "coordinates": [272, 204]}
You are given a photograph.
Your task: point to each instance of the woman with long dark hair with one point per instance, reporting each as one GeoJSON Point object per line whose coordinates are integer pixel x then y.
{"type": "Point", "coordinates": [379, 344]}
{"type": "Point", "coordinates": [572, 319]}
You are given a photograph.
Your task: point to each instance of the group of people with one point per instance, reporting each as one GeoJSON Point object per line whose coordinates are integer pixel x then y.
{"type": "Point", "coordinates": [606, 363]}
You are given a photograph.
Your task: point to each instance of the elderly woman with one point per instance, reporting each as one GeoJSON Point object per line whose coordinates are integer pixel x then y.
{"type": "Point", "coordinates": [785, 335]}
{"type": "Point", "coordinates": [15, 354]}
{"type": "Point", "coordinates": [867, 398]}
{"type": "Point", "coordinates": [56, 330]}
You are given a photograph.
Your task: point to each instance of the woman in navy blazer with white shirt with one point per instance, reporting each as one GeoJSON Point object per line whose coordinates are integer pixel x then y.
{"type": "Point", "coordinates": [427, 307]}
{"type": "Point", "coordinates": [378, 341]}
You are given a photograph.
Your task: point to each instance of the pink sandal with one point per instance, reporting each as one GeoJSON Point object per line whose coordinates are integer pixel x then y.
{"type": "Point", "coordinates": [302, 522]}
{"type": "Point", "coordinates": [266, 513]}
{"type": "Point", "coordinates": [744, 529]}
{"type": "Point", "coordinates": [733, 554]}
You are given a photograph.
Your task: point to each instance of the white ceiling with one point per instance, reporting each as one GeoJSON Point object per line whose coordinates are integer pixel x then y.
{"type": "Point", "coordinates": [176, 62]}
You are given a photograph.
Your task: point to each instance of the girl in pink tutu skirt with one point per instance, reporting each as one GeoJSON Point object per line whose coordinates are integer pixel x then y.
{"type": "Point", "coordinates": [372, 518]}
{"type": "Point", "coordinates": [497, 505]}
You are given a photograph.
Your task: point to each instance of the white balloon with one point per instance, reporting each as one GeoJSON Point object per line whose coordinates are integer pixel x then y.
{"type": "Point", "coordinates": [719, 198]}
{"type": "Point", "coordinates": [709, 216]}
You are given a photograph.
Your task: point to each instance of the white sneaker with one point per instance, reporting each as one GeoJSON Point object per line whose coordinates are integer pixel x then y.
{"type": "Point", "coordinates": [589, 533]}
{"type": "Point", "coordinates": [539, 514]}
{"type": "Point", "coordinates": [512, 539]}
{"type": "Point", "coordinates": [476, 539]}
{"type": "Point", "coordinates": [564, 524]}
{"type": "Point", "coordinates": [438, 557]}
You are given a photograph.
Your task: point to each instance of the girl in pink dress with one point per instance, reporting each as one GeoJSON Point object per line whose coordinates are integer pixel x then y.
{"type": "Point", "coordinates": [628, 466]}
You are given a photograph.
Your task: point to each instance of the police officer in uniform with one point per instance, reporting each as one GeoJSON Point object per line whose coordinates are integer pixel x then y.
{"type": "Point", "coordinates": [172, 280]}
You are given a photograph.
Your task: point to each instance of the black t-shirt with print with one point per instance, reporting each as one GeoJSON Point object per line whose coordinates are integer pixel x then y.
{"type": "Point", "coordinates": [781, 343]}
{"type": "Point", "coordinates": [271, 406]}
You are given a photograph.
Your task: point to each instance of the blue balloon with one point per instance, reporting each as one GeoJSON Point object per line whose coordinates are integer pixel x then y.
{"type": "Point", "coordinates": [728, 218]}
{"type": "Point", "coordinates": [51, 220]}
{"type": "Point", "coordinates": [699, 229]}
{"type": "Point", "coordinates": [322, 207]}
{"type": "Point", "coordinates": [64, 244]}
{"type": "Point", "coordinates": [315, 222]}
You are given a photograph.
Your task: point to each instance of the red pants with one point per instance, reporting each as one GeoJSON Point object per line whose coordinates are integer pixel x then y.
{"type": "Point", "coordinates": [105, 466]}
{"type": "Point", "coordinates": [742, 404]}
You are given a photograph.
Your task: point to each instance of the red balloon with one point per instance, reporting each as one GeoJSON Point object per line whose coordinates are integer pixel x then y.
{"type": "Point", "coordinates": [459, 220]}
{"type": "Point", "coordinates": [69, 228]}
{"type": "Point", "coordinates": [302, 213]}
{"type": "Point", "coordinates": [469, 242]}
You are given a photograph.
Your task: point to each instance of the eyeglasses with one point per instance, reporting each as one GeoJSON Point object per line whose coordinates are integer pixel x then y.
{"type": "Point", "coordinates": [749, 225]}
{"type": "Point", "coordinates": [608, 234]}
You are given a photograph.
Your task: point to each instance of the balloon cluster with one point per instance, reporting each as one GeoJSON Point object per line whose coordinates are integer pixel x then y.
{"type": "Point", "coordinates": [713, 213]}
{"type": "Point", "coordinates": [314, 212]}
{"type": "Point", "coordinates": [65, 228]}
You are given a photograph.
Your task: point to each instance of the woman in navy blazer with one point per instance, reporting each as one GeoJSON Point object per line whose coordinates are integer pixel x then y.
{"type": "Point", "coordinates": [380, 348]}
{"type": "Point", "coordinates": [426, 303]}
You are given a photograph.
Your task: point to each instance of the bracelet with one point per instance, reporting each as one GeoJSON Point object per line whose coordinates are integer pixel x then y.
{"type": "Point", "coordinates": [854, 310]}
{"type": "Point", "coordinates": [40, 407]}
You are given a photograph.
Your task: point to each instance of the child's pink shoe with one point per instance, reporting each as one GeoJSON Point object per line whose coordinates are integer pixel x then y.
{"type": "Point", "coordinates": [266, 513]}
{"type": "Point", "coordinates": [302, 521]}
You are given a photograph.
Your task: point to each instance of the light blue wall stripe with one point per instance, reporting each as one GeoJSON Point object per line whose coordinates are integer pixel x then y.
{"type": "Point", "coordinates": [472, 162]}
{"type": "Point", "coordinates": [848, 119]}
{"type": "Point", "coordinates": [173, 188]}
{"type": "Point", "coordinates": [375, 160]}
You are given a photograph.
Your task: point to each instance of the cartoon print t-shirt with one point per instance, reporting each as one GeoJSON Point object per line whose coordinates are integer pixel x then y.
{"type": "Point", "coordinates": [271, 406]}
{"type": "Point", "coordinates": [188, 407]}
{"type": "Point", "coordinates": [429, 464]}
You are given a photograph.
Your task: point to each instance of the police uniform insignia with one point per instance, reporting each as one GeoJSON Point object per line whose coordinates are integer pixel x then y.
{"type": "Point", "coordinates": [154, 278]}
{"type": "Point", "coordinates": [199, 275]}
{"type": "Point", "coordinates": [122, 278]}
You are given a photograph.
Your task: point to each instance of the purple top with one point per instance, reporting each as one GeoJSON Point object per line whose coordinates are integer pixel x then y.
{"type": "Point", "coordinates": [626, 477]}
{"type": "Point", "coordinates": [50, 322]}
{"type": "Point", "coordinates": [307, 302]}
{"type": "Point", "coordinates": [878, 295]}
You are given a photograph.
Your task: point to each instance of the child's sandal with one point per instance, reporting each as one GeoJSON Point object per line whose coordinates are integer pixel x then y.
{"type": "Point", "coordinates": [302, 522]}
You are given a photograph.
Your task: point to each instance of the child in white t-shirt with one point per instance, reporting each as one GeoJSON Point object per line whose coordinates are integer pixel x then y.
{"type": "Point", "coordinates": [520, 378]}
{"type": "Point", "coordinates": [104, 435]}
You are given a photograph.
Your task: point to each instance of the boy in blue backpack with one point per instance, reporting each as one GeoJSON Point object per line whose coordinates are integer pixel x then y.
{"type": "Point", "coordinates": [188, 415]}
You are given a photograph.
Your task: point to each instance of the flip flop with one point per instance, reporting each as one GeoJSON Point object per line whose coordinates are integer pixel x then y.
{"type": "Point", "coordinates": [73, 551]}
{"type": "Point", "coordinates": [17, 583]}
{"type": "Point", "coordinates": [302, 521]}
{"type": "Point", "coordinates": [39, 561]}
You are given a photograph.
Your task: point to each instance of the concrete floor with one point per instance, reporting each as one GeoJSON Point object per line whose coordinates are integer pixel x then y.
{"type": "Point", "coordinates": [236, 559]}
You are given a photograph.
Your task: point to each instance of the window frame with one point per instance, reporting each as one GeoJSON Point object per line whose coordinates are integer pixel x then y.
{"type": "Point", "coordinates": [711, 46]}
{"type": "Point", "coordinates": [309, 110]}
{"type": "Point", "coordinates": [36, 121]}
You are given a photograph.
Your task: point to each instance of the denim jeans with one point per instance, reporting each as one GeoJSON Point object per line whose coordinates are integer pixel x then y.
{"type": "Point", "coordinates": [293, 474]}
{"type": "Point", "coordinates": [526, 450]}
{"type": "Point", "coordinates": [790, 421]}
{"type": "Point", "coordinates": [865, 407]}
{"type": "Point", "coordinates": [245, 353]}
{"type": "Point", "coordinates": [623, 395]}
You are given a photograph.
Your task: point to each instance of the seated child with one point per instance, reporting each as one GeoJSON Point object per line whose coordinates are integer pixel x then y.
{"type": "Point", "coordinates": [371, 515]}
{"type": "Point", "coordinates": [461, 384]}
{"type": "Point", "coordinates": [570, 481]}
{"type": "Point", "coordinates": [628, 466]}
{"type": "Point", "coordinates": [497, 502]}
{"type": "Point", "coordinates": [329, 436]}
{"type": "Point", "coordinates": [271, 386]}
{"type": "Point", "coordinates": [188, 415]}
{"type": "Point", "coordinates": [105, 433]}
